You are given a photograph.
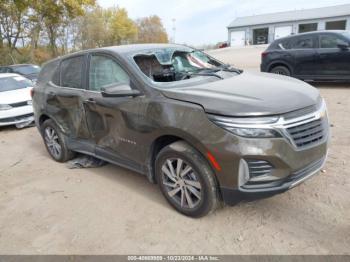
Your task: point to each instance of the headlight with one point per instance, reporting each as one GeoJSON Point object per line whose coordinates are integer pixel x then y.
{"type": "Point", "coordinates": [5, 107]}
{"type": "Point", "coordinates": [253, 127]}
{"type": "Point", "coordinates": [254, 132]}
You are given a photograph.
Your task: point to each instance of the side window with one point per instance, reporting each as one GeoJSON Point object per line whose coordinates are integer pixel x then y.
{"type": "Point", "coordinates": [285, 44]}
{"type": "Point", "coordinates": [305, 42]}
{"type": "Point", "coordinates": [71, 72]}
{"type": "Point", "coordinates": [330, 41]}
{"type": "Point", "coordinates": [47, 71]}
{"type": "Point", "coordinates": [104, 71]}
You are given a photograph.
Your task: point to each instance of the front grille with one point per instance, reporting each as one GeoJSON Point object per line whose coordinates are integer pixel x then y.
{"type": "Point", "coordinates": [15, 118]}
{"type": "Point", "coordinates": [258, 167]}
{"type": "Point", "coordinates": [19, 104]}
{"type": "Point", "coordinates": [308, 133]}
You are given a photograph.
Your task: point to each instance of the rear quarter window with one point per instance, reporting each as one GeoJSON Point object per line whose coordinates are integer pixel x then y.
{"type": "Point", "coordinates": [71, 72]}
{"type": "Point", "coordinates": [47, 72]}
{"type": "Point", "coordinates": [281, 45]}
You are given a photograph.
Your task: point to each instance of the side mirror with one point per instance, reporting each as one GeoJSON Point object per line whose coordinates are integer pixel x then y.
{"type": "Point", "coordinates": [343, 45]}
{"type": "Point", "coordinates": [120, 91]}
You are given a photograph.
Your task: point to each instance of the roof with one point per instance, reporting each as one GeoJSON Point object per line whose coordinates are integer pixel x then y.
{"type": "Point", "coordinates": [3, 75]}
{"type": "Point", "coordinates": [122, 49]}
{"type": "Point", "coordinates": [295, 15]}
{"type": "Point", "coordinates": [140, 47]}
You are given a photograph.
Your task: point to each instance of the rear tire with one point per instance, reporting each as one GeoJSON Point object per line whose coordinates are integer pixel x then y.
{"type": "Point", "coordinates": [186, 180]}
{"type": "Point", "coordinates": [280, 70]}
{"type": "Point", "coordinates": [55, 142]}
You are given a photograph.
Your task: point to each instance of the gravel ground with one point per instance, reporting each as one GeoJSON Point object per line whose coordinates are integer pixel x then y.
{"type": "Point", "coordinates": [46, 208]}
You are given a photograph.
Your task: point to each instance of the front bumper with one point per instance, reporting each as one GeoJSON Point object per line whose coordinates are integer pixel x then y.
{"type": "Point", "coordinates": [16, 115]}
{"type": "Point", "coordinates": [234, 196]}
{"type": "Point", "coordinates": [257, 167]}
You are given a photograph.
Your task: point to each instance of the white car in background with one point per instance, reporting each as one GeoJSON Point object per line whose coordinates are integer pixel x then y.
{"type": "Point", "coordinates": [15, 100]}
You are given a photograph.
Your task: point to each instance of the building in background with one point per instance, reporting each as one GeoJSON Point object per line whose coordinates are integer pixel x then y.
{"type": "Point", "coordinates": [263, 29]}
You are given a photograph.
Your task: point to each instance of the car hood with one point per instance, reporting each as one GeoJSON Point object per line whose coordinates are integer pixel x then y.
{"type": "Point", "coordinates": [15, 96]}
{"type": "Point", "coordinates": [249, 94]}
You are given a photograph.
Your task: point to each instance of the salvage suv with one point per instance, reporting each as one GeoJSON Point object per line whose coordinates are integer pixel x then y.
{"type": "Point", "coordinates": [204, 131]}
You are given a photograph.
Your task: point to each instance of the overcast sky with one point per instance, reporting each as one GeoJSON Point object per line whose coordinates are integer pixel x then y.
{"type": "Point", "coordinates": [204, 21]}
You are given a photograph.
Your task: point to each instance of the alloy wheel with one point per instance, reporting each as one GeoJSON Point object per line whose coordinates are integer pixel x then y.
{"type": "Point", "coordinates": [181, 183]}
{"type": "Point", "coordinates": [52, 142]}
{"type": "Point", "coordinates": [280, 72]}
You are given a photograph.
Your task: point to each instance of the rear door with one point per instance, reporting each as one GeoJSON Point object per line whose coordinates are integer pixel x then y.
{"type": "Point", "coordinates": [304, 55]}
{"type": "Point", "coordinates": [333, 60]}
{"type": "Point", "coordinates": [65, 96]}
{"type": "Point", "coordinates": [112, 121]}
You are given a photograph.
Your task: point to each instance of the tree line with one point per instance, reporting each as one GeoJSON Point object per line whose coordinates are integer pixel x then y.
{"type": "Point", "coordinates": [34, 31]}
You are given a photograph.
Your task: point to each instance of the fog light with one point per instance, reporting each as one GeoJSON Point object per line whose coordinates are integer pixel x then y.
{"type": "Point", "coordinates": [243, 173]}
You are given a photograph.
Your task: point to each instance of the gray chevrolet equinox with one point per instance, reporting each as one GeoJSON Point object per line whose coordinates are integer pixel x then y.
{"type": "Point", "coordinates": [204, 131]}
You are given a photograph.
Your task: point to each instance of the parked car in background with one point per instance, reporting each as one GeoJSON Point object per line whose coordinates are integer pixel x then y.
{"type": "Point", "coordinates": [202, 130]}
{"type": "Point", "coordinates": [15, 100]}
{"type": "Point", "coordinates": [261, 40]}
{"type": "Point", "coordinates": [222, 45]}
{"type": "Point", "coordinates": [27, 70]}
{"type": "Point", "coordinates": [319, 56]}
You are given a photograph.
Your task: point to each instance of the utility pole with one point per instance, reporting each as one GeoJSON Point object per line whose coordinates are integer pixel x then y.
{"type": "Point", "coordinates": [174, 30]}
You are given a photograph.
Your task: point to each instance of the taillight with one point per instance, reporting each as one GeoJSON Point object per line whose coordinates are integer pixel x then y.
{"type": "Point", "coordinates": [31, 92]}
{"type": "Point", "coordinates": [264, 54]}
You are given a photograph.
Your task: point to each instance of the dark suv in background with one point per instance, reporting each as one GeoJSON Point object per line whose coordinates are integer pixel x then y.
{"type": "Point", "coordinates": [27, 70]}
{"type": "Point", "coordinates": [319, 56]}
{"type": "Point", "coordinates": [202, 130]}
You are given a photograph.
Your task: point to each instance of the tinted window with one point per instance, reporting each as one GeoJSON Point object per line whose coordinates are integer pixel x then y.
{"type": "Point", "coordinates": [347, 35]}
{"type": "Point", "coordinates": [13, 83]}
{"type": "Point", "coordinates": [27, 69]}
{"type": "Point", "coordinates": [330, 41]}
{"type": "Point", "coordinates": [284, 44]}
{"type": "Point", "coordinates": [47, 71]}
{"type": "Point", "coordinates": [104, 71]}
{"type": "Point", "coordinates": [71, 72]}
{"type": "Point", "coordinates": [304, 42]}
{"type": "Point", "coordinates": [5, 70]}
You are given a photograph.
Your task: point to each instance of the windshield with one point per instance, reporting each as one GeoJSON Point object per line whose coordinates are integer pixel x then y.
{"type": "Point", "coordinates": [13, 83]}
{"type": "Point", "coordinates": [175, 64]}
{"type": "Point", "coordinates": [27, 70]}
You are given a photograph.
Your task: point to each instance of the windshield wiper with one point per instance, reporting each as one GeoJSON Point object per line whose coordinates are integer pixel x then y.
{"type": "Point", "coordinates": [225, 68]}
{"type": "Point", "coordinates": [201, 74]}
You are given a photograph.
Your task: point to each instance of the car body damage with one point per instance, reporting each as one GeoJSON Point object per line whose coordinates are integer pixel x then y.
{"type": "Point", "coordinates": [219, 122]}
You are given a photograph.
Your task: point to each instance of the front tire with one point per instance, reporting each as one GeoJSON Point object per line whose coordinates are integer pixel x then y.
{"type": "Point", "coordinates": [186, 180]}
{"type": "Point", "coordinates": [54, 142]}
{"type": "Point", "coordinates": [281, 70]}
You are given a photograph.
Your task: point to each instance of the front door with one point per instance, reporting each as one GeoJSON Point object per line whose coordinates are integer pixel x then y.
{"type": "Point", "coordinates": [112, 121]}
{"type": "Point", "coordinates": [333, 60]}
{"type": "Point", "coordinates": [303, 52]}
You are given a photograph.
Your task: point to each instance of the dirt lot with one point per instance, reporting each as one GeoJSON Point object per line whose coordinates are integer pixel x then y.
{"type": "Point", "coordinates": [46, 208]}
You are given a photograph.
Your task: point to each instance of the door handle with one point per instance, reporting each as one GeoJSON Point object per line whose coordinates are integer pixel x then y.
{"type": "Point", "coordinates": [90, 101]}
{"type": "Point", "coordinates": [50, 95]}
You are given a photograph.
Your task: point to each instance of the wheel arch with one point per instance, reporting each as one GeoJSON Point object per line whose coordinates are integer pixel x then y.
{"type": "Point", "coordinates": [43, 117]}
{"type": "Point", "coordinates": [166, 139]}
{"type": "Point", "coordinates": [280, 63]}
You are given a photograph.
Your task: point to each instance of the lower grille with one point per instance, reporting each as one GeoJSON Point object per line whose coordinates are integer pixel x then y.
{"type": "Point", "coordinates": [19, 104]}
{"type": "Point", "coordinates": [15, 118]}
{"type": "Point", "coordinates": [308, 134]}
{"type": "Point", "coordinates": [258, 168]}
